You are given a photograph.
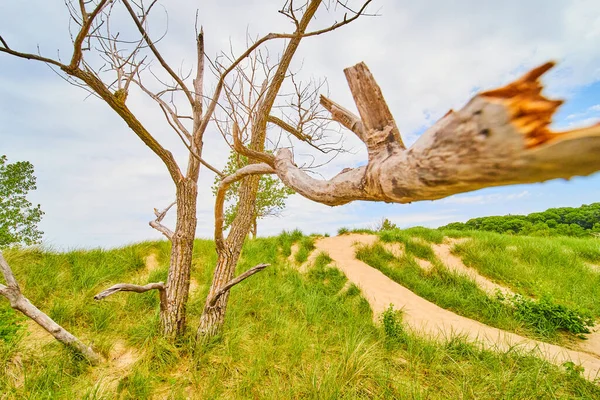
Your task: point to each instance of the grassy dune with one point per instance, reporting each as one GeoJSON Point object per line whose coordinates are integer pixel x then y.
{"type": "Point", "coordinates": [559, 288]}
{"type": "Point", "coordinates": [287, 335]}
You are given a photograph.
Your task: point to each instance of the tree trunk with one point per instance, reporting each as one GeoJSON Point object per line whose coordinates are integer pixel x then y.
{"type": "Point", "coordinates": [254, 228]}
{"type": "Point", "coordinates": [213, 317]}
{"type": "Point", "coordinates": [172, 317]}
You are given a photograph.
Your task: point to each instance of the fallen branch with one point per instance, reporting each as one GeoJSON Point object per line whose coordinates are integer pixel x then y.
{"type": "Point", "coordinates": [12, 292]}
{"type": "Point", "coordinates": [235, 281]}
{"type": "Point", "coordinates": [128, 287]}
{"type": "Point", "coordinates": [501, 137]}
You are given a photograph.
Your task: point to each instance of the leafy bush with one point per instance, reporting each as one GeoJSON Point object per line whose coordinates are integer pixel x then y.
{"type": "Point", "coordinates": [392, 324]}
{"type": "Point", "coordinates": [386, 225]}
{"type": "Point", "coordinates": [545, 316]}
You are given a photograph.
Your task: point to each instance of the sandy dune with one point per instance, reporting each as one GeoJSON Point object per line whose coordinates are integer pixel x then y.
{"type": "Point", "coordinates": [436, 322]}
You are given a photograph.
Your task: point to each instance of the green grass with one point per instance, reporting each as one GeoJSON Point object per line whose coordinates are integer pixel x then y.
{"type": "Point", "coordinates": [287, 335]}
{"type": "Point", "coordinates": [557, 289]}
{"type": "Point", "coordinates": [307, 245]}
{"type": "Point", "coordinates": [539, 267]}
{"type": "Point", "coordinates": [450, 291]}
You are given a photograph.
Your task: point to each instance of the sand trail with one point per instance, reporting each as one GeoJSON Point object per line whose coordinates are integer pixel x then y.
{"type": "Point", "coordinates": [431, 320]}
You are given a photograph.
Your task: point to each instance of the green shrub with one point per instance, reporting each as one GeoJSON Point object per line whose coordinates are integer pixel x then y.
{"type": "Point", "coordinates": [9, 328]}
{"type": "Point", "coordinates": [545, 316]}
{"type": "Point", "coordinates": [392, 324]}
{"type": "Point", "coordinates": [343, 231]}
{"type": "Point", "coordinates": [386, 225]}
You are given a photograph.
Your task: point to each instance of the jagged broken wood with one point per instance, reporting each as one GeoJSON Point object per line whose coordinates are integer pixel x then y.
{"type": "Point", "coordinates": [501, 137]}
{"type": "Point", "coordinates": [12, 292]}
{"type": "Point", "coordinates": [128, 287]}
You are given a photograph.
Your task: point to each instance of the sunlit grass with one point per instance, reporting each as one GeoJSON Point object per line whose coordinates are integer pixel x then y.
{"type": "Point", "coordinates": [287, 335]}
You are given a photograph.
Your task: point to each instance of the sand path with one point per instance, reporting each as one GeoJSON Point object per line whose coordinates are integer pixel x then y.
{"type": "Point", "coordinates": [444, 253]}
{"type": "Point", "coordinates": [429, 319]}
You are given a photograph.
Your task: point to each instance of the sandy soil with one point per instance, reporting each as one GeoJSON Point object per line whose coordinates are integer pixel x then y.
{"type": "Point", "coordinates": [444, 253]}
{"type": "Point", "coordinates": [436, 322]}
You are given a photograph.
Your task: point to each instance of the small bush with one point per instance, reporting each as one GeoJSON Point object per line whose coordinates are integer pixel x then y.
{"type": "Point", "coordinates": [546, 317]}
{"type": "Point", "coordinates": [386, 225]}
{"type": "Point", "coordinates": [392, 324]}
{"type": "Point", "coordinates": [9, 328]}
{"type": "Point", "coordinates": [343, 231]}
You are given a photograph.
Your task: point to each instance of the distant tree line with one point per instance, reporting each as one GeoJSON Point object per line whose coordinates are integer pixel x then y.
{"type": "Point", "coordinates": [566, 221]}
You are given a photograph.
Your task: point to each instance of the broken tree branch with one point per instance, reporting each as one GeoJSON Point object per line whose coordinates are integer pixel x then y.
{"type": "Point", "coordinates": [128, 287]}
{"type": "Point", "coordinates": [501, 137]}
{"type": "Point", "coordinates": [156, 224]}
{"type": "Point", "coordinates": [12, 292]}
{"type": "Point", "coordinates": [235, 281]}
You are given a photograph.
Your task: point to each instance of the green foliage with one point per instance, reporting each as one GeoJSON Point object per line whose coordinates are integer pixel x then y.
{"type": "Point", "coordinates": [451, 291]}
{"type": "Point", "coordinates": [547, 317]}
{"type": "Point", "coordinates": [386, 225]}
{"type": "Point", "coordinates": [566, 221]}
{"type": "Point", "coordinates": [536, 267]}
{"type": "Point", "coordinates": [286, 239]}
{"type": "Point", "coordinates": [414, 247]}
{"type": "Point", "coordinates": [270, 197]}
{"type": "Point", "coordinates": [287, 335]}
{"type": "Point", "coordinates": [18, 217]}
{"type": "Point", "coordinates": [9, 329]}
{"type": "Point", "coordinates": [343, 231]}
{"type": "Point", "coordinates": [392, 324]}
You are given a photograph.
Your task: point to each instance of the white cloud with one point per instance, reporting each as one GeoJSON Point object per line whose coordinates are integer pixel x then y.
{"type": "Point", "coordinates": [98, 183]}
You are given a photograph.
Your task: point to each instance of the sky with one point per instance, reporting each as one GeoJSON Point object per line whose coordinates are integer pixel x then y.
{"type": "Point", "coordinates": [98, 183]}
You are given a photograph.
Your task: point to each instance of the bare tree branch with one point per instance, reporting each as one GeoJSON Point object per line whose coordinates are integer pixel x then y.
{"type": "Point", "coordinates": [156, 53]}
{"type": "Point", "coordinates": [20, 303]}
{"type": "Point", "coordinates": [156, 224]}
{"type": "Point", "coordinates": [235, 281]}
{"type": "Point", "coordinates": [128, 287]}
{"type": "Point", "coordinates": [501, 137]}
{"type": "Point", "coordinates": [88, 20]}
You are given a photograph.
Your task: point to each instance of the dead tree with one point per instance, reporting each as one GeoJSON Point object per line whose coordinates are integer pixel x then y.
{"type": "Point", "coordinates": [12, 292]}
{"type": "Point", "coordinates": [249, 115]}
{"type": "Point", "coordinates": [109, 66]}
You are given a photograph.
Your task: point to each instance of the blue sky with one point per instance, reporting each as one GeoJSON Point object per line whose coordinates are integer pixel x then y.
{"type": "Point", "coordinates": [98, 184]}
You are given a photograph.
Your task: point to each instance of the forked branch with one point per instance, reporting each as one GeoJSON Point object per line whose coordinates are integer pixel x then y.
{"type": "Point", "coordinates": [156, 224]}
{"type": "Point", "coordinates": [501, 137]}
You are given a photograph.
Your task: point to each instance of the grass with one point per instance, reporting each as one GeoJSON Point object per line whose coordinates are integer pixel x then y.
{"type": "Point", "coordinates": [450, 291]}
{"type": "Point", "coordinates": [287, 335]}
{"type": "Point", "coordinates": [537, 267]}
{"type": "Point", "coordinates": [557, 291]}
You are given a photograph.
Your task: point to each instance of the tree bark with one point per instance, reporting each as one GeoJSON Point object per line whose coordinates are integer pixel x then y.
{"type": "Point", "coordinates": [254, 227]}
{"type": "Point", "coordinates": [172, 316]}
{"type": "Point", "coordinates": [19, 302]}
